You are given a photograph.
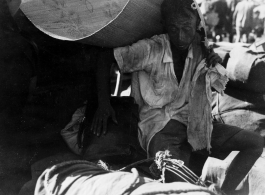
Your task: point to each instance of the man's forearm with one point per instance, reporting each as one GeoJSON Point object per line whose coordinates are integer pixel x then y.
{"type": "Point", "coordinates": [105, 60]}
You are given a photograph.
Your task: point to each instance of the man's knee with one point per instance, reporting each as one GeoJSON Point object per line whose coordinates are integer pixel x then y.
{"type": "Point", "coordinates": [245, 141]}
{"type": "Point", "coordinates": [256, 144]}
{"type": "Point", "coordinates": [259, 144]}
{"type": "Point", "coordinates": [171, 138]}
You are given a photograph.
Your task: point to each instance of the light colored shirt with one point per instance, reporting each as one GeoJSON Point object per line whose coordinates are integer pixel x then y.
{"type": "Point", "coordinates": [158, 93]}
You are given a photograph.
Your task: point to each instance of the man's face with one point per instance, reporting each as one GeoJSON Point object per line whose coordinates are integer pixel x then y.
{"type": "Point", "coordinates": [181, 30]}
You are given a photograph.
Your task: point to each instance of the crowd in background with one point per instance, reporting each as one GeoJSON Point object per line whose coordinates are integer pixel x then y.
{"type": "Point", "coordinates": [234, 20]}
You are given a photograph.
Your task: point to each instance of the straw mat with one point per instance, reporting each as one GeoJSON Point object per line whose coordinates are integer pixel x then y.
{"type": "Point", "coordinates": [108, 23]}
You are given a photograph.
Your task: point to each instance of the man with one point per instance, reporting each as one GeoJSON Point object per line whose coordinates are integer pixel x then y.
{"type": "Point", "coordinates": [243, 19]}
{"type": "Point", "coordinates": [171, 86]}
{"type": "Point", "coordinates": [221, 8]}
{"type": "Point", "coordinates": [231, 4]}
{"type": "Point", "coordinates": [257, 24]}
{"type": "Point", "coordinates": [259, 11]}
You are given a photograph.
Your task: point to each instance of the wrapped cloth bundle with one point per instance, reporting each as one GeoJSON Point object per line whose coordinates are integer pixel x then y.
{"type": "Point", "coordinates": [215, 170]}
{"type": "Point", "coordinates": [83, 177]}
{"type": "Point", "coordinates": [246, 68]}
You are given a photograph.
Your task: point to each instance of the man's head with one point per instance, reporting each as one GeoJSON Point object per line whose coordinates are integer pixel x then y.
{"type": "Point", "coordinates": [180, 21]}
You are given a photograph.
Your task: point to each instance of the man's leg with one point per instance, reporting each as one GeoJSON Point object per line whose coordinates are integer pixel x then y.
{"type": "Point", "coordinates": [247, 36]}
{"type": "Point", "coordinates": [238, 35]}
{"type": "Point", "coordinates": [250, 147]}
{"type": "Point", "coordinates": [173, 138]}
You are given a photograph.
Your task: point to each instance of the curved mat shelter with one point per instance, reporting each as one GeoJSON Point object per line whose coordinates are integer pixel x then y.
{"type": "Point", "coordinates": [107, 23]}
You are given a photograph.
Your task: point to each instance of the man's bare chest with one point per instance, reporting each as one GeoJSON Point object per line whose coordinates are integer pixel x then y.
{"type": "Point", "coordinates": [179, 65]}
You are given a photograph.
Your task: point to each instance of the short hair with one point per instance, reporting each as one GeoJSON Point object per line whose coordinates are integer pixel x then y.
{"type": "Point", "coordinates": [178, 7]}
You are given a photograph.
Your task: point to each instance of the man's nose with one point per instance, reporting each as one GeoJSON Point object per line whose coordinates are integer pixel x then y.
{"type": "Point", "coordinates": [182, 37]}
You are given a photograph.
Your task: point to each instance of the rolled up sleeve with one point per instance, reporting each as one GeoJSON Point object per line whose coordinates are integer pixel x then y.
{"type": "Point", "coordinates": [138, 56]}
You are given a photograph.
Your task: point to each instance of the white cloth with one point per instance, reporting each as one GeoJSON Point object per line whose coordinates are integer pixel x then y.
{"type": "Point", "coordinates": [85, 178]}
{"type": "Point", "coordinates": [215, 170]}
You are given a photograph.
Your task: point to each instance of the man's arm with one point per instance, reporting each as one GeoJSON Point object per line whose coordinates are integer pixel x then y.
{"type": "Point", "coordinates": [129, 59]}
{"type": "Point", "coordinates": [105, 60]}
{"type": "Point", "coordinates": [105, 110]}
{"type": "Point", "coordinates": [235, 15]}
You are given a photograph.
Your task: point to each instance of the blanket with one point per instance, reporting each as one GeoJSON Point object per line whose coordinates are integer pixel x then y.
{"type": "Point", "coordinates": [83, 177]}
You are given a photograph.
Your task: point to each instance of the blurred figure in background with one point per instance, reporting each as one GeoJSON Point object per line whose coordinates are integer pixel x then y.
{"type": "Point", "coordinates": [218, 17]}
{"type": "Point", "coordinates": [221, 8]}
{"type": "Point", "coordinates": [257, 24]}
{"type": "Point", "coordinates": [231, 5]}
{"type": "Point", "coordinates": [259, 16]}
{"type": "Point", "coordinates": [243, 20]}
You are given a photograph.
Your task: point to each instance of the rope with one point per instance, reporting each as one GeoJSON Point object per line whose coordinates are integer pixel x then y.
{"type": "Point", "coordinates": [196, 6]}
{"type": "Point", "coordinates": [136, 163]}
{"type": "Point", "coordinates": [164, 162]}
{"type": "Point", "coordinates": [132, 183]}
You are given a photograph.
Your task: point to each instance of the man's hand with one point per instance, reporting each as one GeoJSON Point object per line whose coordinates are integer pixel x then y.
{"type": "Point", "coordinates": [105, 110]}
{"type": "Point", "coordinates": [213, 58]}
{"type": "Point", "coordinates": [100, 120]}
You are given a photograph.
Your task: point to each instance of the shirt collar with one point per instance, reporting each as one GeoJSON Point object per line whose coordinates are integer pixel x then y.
{"type": "Point", "coordinates": [168, 53]}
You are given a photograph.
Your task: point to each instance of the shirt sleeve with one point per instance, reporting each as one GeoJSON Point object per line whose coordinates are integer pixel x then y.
{"type": "Point", "coordinates": [140, 55]}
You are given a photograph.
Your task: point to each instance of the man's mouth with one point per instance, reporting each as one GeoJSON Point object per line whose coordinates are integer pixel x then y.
{"type": "Point", "coordinates": [182, 46]}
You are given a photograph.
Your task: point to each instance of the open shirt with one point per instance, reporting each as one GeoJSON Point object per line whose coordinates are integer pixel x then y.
{"type": "Point", "coordinates": [154, 84]}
